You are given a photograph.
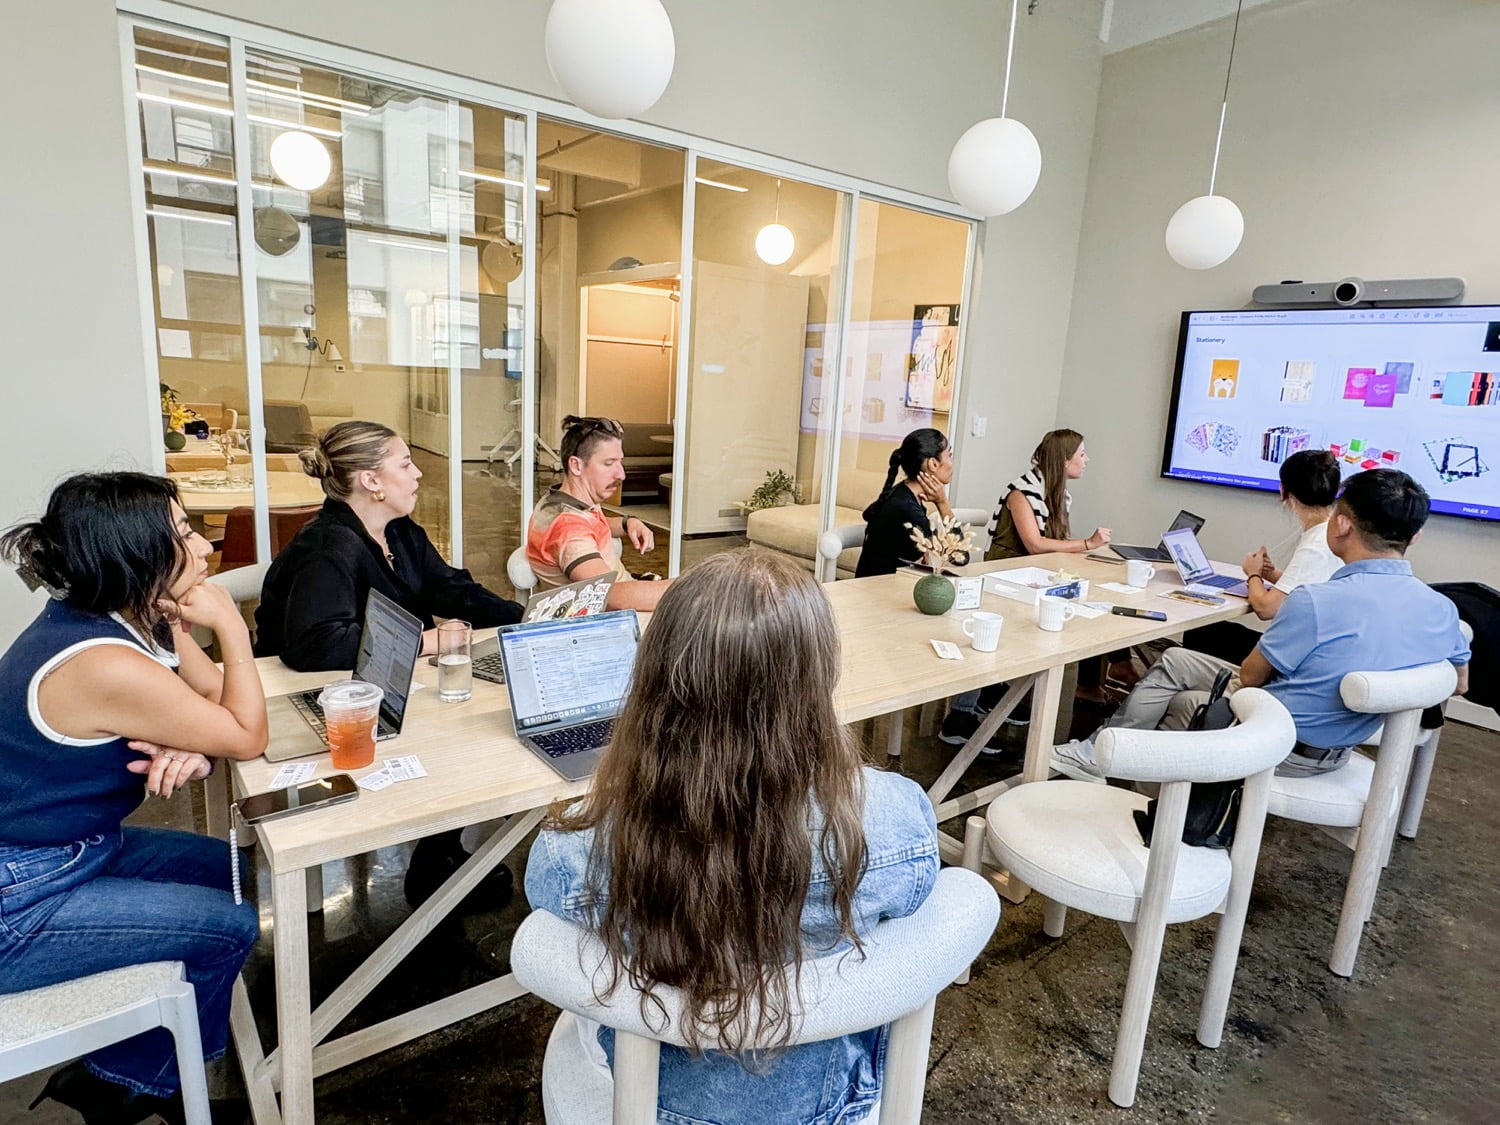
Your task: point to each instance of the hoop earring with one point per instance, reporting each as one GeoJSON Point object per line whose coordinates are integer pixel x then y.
{"type": "Point", "coordinates": [380, 496]}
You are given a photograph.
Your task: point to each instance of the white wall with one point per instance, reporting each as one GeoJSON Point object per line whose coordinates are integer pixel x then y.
{"type": "Point", "coordinates": [871, 88]}
{"type": "Point", "coordinates": [1363, 139]}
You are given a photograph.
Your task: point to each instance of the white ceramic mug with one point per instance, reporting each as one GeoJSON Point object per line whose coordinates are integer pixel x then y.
{"type": "Point", "coordinates": [983, 630]}
{"type": "Point", "coordinates": [1138, 572]}
{"type": "Point", "coordinates": [1052, 612]}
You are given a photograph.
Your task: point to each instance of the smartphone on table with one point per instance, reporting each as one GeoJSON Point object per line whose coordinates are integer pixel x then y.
{"type": "Point", "coordinates": [315, 794]}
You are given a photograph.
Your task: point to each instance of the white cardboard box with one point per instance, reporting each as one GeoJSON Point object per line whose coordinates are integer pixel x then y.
{"type": "Point", "coordinates": [1027, 583]}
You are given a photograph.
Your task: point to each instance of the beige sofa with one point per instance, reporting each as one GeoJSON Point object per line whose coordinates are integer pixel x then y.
{"type": "Point", "coordinates": [794, 528]}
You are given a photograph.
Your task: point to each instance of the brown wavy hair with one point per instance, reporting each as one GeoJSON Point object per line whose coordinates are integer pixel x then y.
{"type": "Point", "coordinates": [726, 755]}
{"type": "Point", "coordinates": [1050, 460]}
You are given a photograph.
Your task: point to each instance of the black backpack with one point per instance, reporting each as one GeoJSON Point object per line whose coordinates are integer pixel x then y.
{"type": "Point", "coordinates": [1213, 806]}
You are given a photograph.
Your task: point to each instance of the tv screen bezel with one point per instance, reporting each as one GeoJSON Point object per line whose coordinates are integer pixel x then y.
{"type": "Point", "coordinates": [1169, 438]}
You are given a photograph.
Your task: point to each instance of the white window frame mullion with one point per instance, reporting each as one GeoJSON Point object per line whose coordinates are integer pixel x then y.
{"type": "Point", "coordinates": [958, 411]}
{"type": "Point", "coordinates": [451, 187]}
{"type": "Point", "coordinates": [681, 423]}
{"type": "Point", "coordinates": [244, 207]}
{"type": "Point", "coordinates": [829, 570]}
{"type": "Point", "coordinates": [529, 279]}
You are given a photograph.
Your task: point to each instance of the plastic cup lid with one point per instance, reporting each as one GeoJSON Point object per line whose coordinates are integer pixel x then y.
{"type": "Point", "coordinates": [349, 694]}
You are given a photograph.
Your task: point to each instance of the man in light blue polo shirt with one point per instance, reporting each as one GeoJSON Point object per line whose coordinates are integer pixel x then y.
{"type": "Point", "coordinates": [1373, 615]}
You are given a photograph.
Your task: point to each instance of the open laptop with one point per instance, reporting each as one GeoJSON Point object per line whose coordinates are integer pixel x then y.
{"type": "Point", "coordinates": [1185, 519]}
{"type": "Point", "coordinates": [1192, 563]}
{"type": "Point", "coordinates": [576, 599]}
{"type": "Point", "coordinates": [567, 681]}
{"type": "Point", "coordinates": [389, 645]}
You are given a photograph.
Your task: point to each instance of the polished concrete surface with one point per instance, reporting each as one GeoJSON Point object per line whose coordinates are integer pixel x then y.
{"type": "Point", "coordinates": [1410, 1037]}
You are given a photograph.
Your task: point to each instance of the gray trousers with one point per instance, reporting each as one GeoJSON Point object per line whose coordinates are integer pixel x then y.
{"type": "Point", "coordinates": [1178, 684]}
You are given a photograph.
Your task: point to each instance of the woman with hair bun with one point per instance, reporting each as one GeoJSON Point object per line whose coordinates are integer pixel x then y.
{"type": "Point", "coordinates": [926, 458]}
{"type": "Point", "coordinates": [312, 609]}
{"type": "Point", "coordinates": [100, 707]}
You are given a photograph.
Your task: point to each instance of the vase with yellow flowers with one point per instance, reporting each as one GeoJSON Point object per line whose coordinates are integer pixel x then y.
{"type": "Point", "coordinates": [173, 417]}
{"type": "Point", "coordinates": [949, 542]}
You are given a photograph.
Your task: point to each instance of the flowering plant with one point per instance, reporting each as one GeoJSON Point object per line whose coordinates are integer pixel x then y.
{"type": "Point", "coordinates": [950, 541]}
{"type": "Point", "coordinates": [174, 412]}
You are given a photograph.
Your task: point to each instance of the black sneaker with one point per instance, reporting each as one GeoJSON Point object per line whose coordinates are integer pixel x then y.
{"type": "Point", "coordinates": [433, 860]}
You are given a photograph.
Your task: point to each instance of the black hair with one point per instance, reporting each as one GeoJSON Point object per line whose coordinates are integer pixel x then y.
{"type": "Point", "coordinates": [1388, 508]}
{"type": "Point", "coordinates": [909, 457]}
{"type": "Point", "coordinates": [1311, 477]}
{"type": "Point", "coordinates": [581, 435]}
{"type": "Point", "coordinates": [106, 544]}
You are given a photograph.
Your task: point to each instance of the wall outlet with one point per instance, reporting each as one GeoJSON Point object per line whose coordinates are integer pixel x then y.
{"type": "Point", "coordinates": [729, 513]}
{"type": "Point", "coordinates": [339, 367]}
{"type": "Point", "coordinates": [978, 425]}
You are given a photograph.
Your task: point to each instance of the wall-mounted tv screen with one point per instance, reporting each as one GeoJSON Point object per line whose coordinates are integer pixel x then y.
{"type": "Point", "coordinates": [1411, 388]}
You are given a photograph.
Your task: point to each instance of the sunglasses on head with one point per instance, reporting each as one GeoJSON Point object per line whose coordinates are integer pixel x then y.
{"type": "Point", "coordinates": [587, 426]}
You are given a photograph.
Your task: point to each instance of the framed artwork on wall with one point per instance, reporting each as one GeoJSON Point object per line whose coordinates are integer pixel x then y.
{"type": "Point", "coordinates": [932, 362]}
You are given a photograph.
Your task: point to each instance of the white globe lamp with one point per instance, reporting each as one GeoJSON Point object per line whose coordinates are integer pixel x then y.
{"type": "Point", "coordinates": [994, 167]}
{"type": "Point", "coordinates": [1204, 232]}
{"type": "Point", "coordinates": [613, 58]}
{"type": "Point", "coordinates": [774, 244]}
{"type": "Point", "coordinates": [300, 160]}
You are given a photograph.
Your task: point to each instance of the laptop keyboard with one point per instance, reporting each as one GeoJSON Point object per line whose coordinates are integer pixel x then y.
{"type": "Point", "coordinates": [561, 743]}
{"type": "Point", "coordinates": [306, 704]}
{"type": "Point", "coordinates": [489, 667]}
{"type": "Point", "coordinates": [1220, 581]}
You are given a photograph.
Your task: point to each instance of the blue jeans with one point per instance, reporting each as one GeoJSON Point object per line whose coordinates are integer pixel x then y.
{"type": "Point", "coordinates": [135, 895]}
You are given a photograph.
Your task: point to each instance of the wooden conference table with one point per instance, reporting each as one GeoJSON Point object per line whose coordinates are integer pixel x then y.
{"type": "Point", "coordinates": [285, 490]}
{"type": "Point", "coordinates": [478, 772]}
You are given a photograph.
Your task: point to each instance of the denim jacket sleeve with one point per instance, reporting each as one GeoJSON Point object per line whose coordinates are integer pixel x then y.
{"type": "Point", "coordinates": [555, 872]}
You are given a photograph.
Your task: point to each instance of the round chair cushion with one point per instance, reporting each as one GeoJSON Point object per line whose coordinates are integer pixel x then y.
{"type": "Point", "coordinates": [574, 1091]}
{"type": "Point", "coordinates": [1077, 844]}
{"type": "Point", "coordinates": [1336, 799]}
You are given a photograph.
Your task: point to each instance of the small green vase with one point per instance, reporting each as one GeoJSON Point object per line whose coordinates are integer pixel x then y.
{"type": "Point", "coordinates": [176, 440]}
{"type": "Point", "coordinates": [934, 594]}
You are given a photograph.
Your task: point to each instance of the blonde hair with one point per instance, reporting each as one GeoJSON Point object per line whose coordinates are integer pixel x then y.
{"type": "Point", "coordinates": [727, 771]}
{"type": "Point", "coordinates": [344, 452]}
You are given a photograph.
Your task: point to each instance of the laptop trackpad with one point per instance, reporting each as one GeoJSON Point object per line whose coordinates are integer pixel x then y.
{"type": "Point", "coordinates": [291, 737]}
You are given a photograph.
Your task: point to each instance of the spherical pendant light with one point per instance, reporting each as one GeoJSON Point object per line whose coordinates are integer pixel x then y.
{"type": "Point", "coordinates": [994, 166]}
{"type": "Point", "coordinates": [300, 160]}
{"type": "Point", "coordinates": [774, 244]}
{"type": "Point", "coordinates": [613, 58]}
{"type": "Point", "coordinates": [1204, 232]}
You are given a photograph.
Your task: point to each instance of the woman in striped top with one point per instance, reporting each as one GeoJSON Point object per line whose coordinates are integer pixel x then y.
{"type": "Point", "coordinates": [1032, 515]}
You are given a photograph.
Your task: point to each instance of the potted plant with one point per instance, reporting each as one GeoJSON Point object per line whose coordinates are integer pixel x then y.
{"type": "Point", "coordinates": [950, 542]}
{"type": "Point", "coordinates": [173, 416]}
{"type": "Point", "coordinates": [778, 488]}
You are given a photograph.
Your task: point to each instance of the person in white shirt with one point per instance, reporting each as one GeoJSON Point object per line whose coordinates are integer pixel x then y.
{"type": "Point", "coordinates": [1309, 488]}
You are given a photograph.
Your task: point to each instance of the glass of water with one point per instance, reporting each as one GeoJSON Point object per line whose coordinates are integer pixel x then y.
{"type": "Point", "coordinates": [455, 668]}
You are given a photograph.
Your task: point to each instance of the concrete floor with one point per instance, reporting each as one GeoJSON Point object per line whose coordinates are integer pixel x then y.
{"type": "Point", "coordinates": [1409, 1038]}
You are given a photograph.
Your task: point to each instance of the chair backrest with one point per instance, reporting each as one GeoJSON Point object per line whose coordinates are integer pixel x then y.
{"type": "Point", "coordinates": [835, 541]}
{"type": "Point", "coordinates": [239, 533]}
{"type": "Point", "coordinates": [972, 517]}
{"type": "Point", "coordinates": [519, 571]}
{"type": "Point", "coordinates": [1410, 689]}
{"type": "Point", "coordinates": [1264, 736]}
{"type": "Point", "coordinates": [907, 962]}
{"type": "Point", "coordinates": [288, 426]}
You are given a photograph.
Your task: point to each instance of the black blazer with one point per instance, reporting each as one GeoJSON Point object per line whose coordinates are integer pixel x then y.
{"type": "Point", "coordinates": [313, 605]}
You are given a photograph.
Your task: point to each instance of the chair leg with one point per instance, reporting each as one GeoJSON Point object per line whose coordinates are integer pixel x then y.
{"type": "Point", "coordinates": [897, 719]}
{"type": "Point", "coordinates": [907, 1049]}
{"type": "Point", "coordinates": [179, 1012]}
{"type": "Point", "coordinates": [314, 889]}
{"type": "Point", "coordinates": [973, 858]}
{"type": "Point", "coordinates": [1135, 1013]}
{"type": "Point", "coordinates": [1416, 787]}
{"type": "Point", "coordinates": [1054, 917]}
{"type": "Point", "coordinates": [636, 1072]}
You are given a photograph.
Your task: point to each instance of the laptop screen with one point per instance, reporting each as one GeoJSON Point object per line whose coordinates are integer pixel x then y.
{"type": "Point", "coordinates": [1185, 519]}
{"type": "Point", "coordinates": [389, 645]}
{"type": "Point", "coordinates": [1187, 553]}
{"type": "Point", "coordinates": [569, 671]}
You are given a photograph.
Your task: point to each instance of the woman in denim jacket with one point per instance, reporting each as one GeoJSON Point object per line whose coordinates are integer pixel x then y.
{"type": "Point", "coordinates": [731, 831]}
{"type": "Point", "coordinates": [99, 707]}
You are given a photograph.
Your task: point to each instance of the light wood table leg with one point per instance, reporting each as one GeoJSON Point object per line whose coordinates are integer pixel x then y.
{"type": "Point", "coordinates": [293, 996]}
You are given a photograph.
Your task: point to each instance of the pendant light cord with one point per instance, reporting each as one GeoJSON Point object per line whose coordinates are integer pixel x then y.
{"type": "Point", "coordinates": [777, 218]}
{"type": "Point", "coordinates": [1213, 175]}
{"type": "Point", "coordinates": [1010, 50]}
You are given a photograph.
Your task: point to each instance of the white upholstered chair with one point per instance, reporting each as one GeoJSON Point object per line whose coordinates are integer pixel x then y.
{"type": "Point", "coordinates": [1358, 804]}
{"type": "Point", "coordinates": [1424, 754]}
{"type": "Point", "coordinates": [1077, 845]}
{"type": "Point", "coordinates": [47, 1026]}
{"type": "Point", "coordinates": [519, 571]}
{"type": "Point", "coordinates": [907, 962]}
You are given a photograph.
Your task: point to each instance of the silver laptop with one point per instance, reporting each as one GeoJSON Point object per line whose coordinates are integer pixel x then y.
{"type": "Point", "coordinates": [389, 644]}
{"type": "Point", "coordinates": [1159, 553]}
{"type": "Point", "coordinates": [573, 600]}
{"type": "Point", "coordinates": [1192, 563]}
{"type": "Point", "coordinates": [567, 681]}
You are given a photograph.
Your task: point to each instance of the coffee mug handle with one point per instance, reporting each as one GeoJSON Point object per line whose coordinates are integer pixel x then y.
{"type": "Point", "coordinates": [1150, 572]}
{"type": "Point", "coordinates": [968, 627]}
{"type": "Point", "coordinates": [1069, 612]}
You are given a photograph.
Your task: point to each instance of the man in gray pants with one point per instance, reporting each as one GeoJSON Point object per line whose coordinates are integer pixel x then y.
{"type": "Point", "coordinates": [1373, 615]}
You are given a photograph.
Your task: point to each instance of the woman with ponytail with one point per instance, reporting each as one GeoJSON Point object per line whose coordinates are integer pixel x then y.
{"type": "Point", "coordinates": [1032, 516]}
{"type": "Point", "coordinates": [103, 702]}
{"type": "Point", "coordinates": [924, 461]}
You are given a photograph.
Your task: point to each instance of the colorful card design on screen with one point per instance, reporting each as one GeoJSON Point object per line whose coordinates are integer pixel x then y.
{"type": "Point", "coordinates": [1357, 382]}
{"type": "Point", "coordinates": [1224, 379]}
{"type": "Point", "coordinates": [1381, 390]}
{"type": "Point", "coordinates": [1297, 380]}
{"type": "Point", "coordinates": [1402, 371]}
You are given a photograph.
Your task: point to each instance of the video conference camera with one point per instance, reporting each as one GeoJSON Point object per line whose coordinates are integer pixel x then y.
{"type": "Point", "coordinates": [1357, 291]}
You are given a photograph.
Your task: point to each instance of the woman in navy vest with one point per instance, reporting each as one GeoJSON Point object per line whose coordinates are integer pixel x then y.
{"type": "Point", "coordinates": [99, 707]}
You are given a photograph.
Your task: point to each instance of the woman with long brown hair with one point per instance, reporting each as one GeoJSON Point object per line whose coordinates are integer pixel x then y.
{"type": "Point", "coordinates": [731, 832]}
{"type": "Point", "coordinates": [1032, 515]}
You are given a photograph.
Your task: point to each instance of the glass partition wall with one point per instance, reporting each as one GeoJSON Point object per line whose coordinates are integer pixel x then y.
{"type": "Point", "coordinates": [373, 237]}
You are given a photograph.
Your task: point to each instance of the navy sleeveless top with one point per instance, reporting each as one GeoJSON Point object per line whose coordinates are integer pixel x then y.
{"type": "Point", "coordinates": [56, 790]}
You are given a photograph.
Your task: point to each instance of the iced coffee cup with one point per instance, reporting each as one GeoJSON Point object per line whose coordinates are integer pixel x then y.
{"type": "Point", "coordinates": [351, 709]}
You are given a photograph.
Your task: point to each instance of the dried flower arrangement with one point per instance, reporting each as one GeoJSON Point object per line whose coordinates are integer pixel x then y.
{"type": "Point", "coordinates": [950, 542]}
